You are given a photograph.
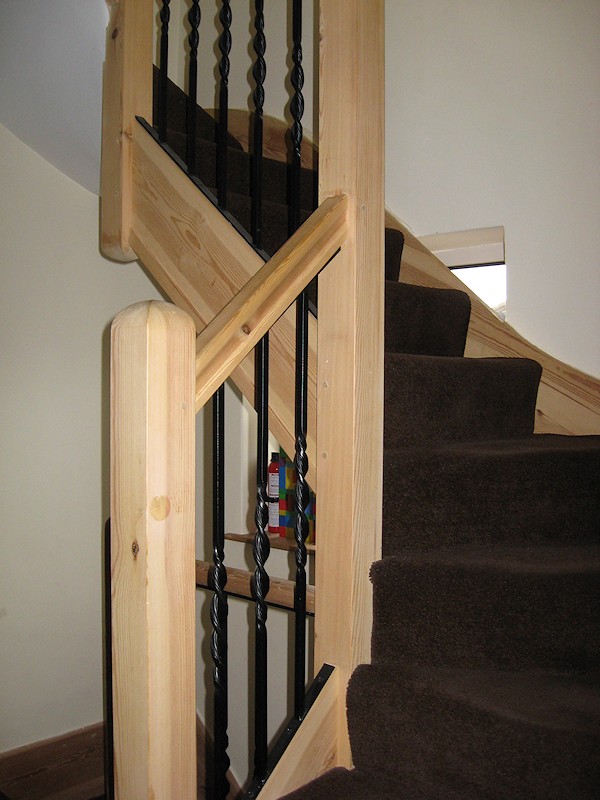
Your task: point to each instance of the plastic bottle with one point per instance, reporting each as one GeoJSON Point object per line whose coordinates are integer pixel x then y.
{"type": "Point", "coordinates": [273, 493]}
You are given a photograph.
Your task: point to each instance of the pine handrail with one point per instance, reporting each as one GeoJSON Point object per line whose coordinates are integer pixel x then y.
{"type": "Point", "coordinates": [233, 333]}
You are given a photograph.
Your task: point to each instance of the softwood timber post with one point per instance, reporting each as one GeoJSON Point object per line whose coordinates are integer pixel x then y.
{"type": "Point", "coordinates": [152, 552]}
{"type": "Point", "coordinates": [350, 338]}
{"type": "Point", "coordinates": [127, 92]}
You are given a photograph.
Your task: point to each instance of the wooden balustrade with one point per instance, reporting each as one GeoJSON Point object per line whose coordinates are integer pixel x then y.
{"type": "Point", "coordinates": [154, 212]}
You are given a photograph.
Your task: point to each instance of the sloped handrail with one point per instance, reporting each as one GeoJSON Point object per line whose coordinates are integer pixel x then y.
{"type": "Point", "coordinates": [234, 332]}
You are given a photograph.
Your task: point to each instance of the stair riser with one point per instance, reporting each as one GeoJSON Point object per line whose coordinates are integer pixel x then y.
{"type": "Point", "coordinates": [442, 499]}
{"type": "Point", "coordinates": [434, 399]}
{"type": "Point", "coordinates": [425, 321]}
{"type": "Point", "coordinates": [480, 617]}
{"type": "Point", "coordinates": [449, 748]}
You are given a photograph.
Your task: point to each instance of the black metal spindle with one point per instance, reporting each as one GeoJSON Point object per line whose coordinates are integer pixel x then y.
{"type": "Point", "coordinates": [260, 578]}
{"type": "Point", "coordinates": [297, 111]}
{"type": "Point", "coordinates": [302, 499]}
{"type": "Point", "coordinates": [219, 606]}
{"type": "Point", "coordinates": [225, 48]}
{"type": "Point", "coordinates": [193, 40]}
{"type": "Point", "coordinates": [259, 71]}
{"type": "Point", "coordinates": [165, 14]}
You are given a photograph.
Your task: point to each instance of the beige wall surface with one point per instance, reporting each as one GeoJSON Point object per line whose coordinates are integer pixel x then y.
{"type": "Point", "coordinates": [58, 296]}
{"type": "Point", "coordinates": [492, 118]}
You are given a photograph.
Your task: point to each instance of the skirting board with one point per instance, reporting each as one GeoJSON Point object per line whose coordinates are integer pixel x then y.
{"type": "Point", "coordinates": [69, 767]}
{"type": "Point", "coordinates": [72, 767]}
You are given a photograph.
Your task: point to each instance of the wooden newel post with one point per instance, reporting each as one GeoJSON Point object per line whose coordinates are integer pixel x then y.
{"type": "Point", "coordinates": [350, 369]}
{"type": "Point", "coordinates": [152, 570]}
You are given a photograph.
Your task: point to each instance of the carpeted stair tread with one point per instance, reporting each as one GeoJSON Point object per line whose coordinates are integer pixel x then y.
{"type": "Point", "coordinates": [425, 321]}
{"type": "Point", "coordinates": [531, 489]}
{"type": "Point", "coordinates": [506, 608]}
{"type": "Point", "coordinates": [437, 398]}
{"type": "Point", "coordinates": [468, 733]}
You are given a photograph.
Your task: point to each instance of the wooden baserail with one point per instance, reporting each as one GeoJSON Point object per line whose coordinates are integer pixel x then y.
{"type": "Point", "coordinates": [238, 328]}
{"type": "Point", "coordinates": [312, 751]}
{"type": "Point", "coordinates": [281, 591]}
{"type": "Point", "coordinates": [152, 550]}
{"type": "Point", "coordinates": [127, 91]}
{"type": "Point", "coordinates": [568, 399]}
{"type": "Point", "coordinates": [200, 262]}
{"type": "Point", "coordinates": [351, 315]}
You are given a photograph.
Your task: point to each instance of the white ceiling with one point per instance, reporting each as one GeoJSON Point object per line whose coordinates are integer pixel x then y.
{"type": "Point", "coordinates": [51, 55]}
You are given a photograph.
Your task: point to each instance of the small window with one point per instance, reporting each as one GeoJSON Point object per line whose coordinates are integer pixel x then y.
{"type": "Point", "coordinates": [488, 283]}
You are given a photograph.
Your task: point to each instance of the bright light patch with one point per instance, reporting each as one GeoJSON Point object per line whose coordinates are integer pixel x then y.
{"type": "Point", "coordinates": [488, 283]}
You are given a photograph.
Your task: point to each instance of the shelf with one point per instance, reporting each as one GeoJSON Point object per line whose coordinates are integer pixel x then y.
{"type": "Point", "coordinates": [276, 542]}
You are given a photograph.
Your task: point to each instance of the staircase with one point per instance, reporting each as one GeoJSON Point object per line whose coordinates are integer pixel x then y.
{"type": "Point", "coordinates": [484, 673]}
{"type": "Point", "coordinates": [486, 637]}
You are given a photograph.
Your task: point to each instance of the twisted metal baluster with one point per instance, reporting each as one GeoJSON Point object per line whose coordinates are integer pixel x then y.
{"type": "Point", "coordinates": [297, 110]}
{"type": "Point", "coordinates": [225, 48]}
{"type": "Point", "coordinates": [259, 71]}
{"type": "Point", "coordinates": [260, 579]}
{"type": "Point", "coordinates": [302, 499]}
{"type": "Point", "coordinates": [301, 459]}
{"type": "Point", "coordinates": [165, 14]}
{"type": "Point", "coordinates": [219, 606]}
{"type": "Point", "coordinates": [193, 39]}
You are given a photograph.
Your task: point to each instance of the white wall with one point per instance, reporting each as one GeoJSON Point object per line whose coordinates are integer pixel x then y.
{"type": "Point", "coordinates": [57, 297]}
{"type": "Point", "coordinates": [51, 58]}
{"type": "Point", "coordinates": [493, 114]}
